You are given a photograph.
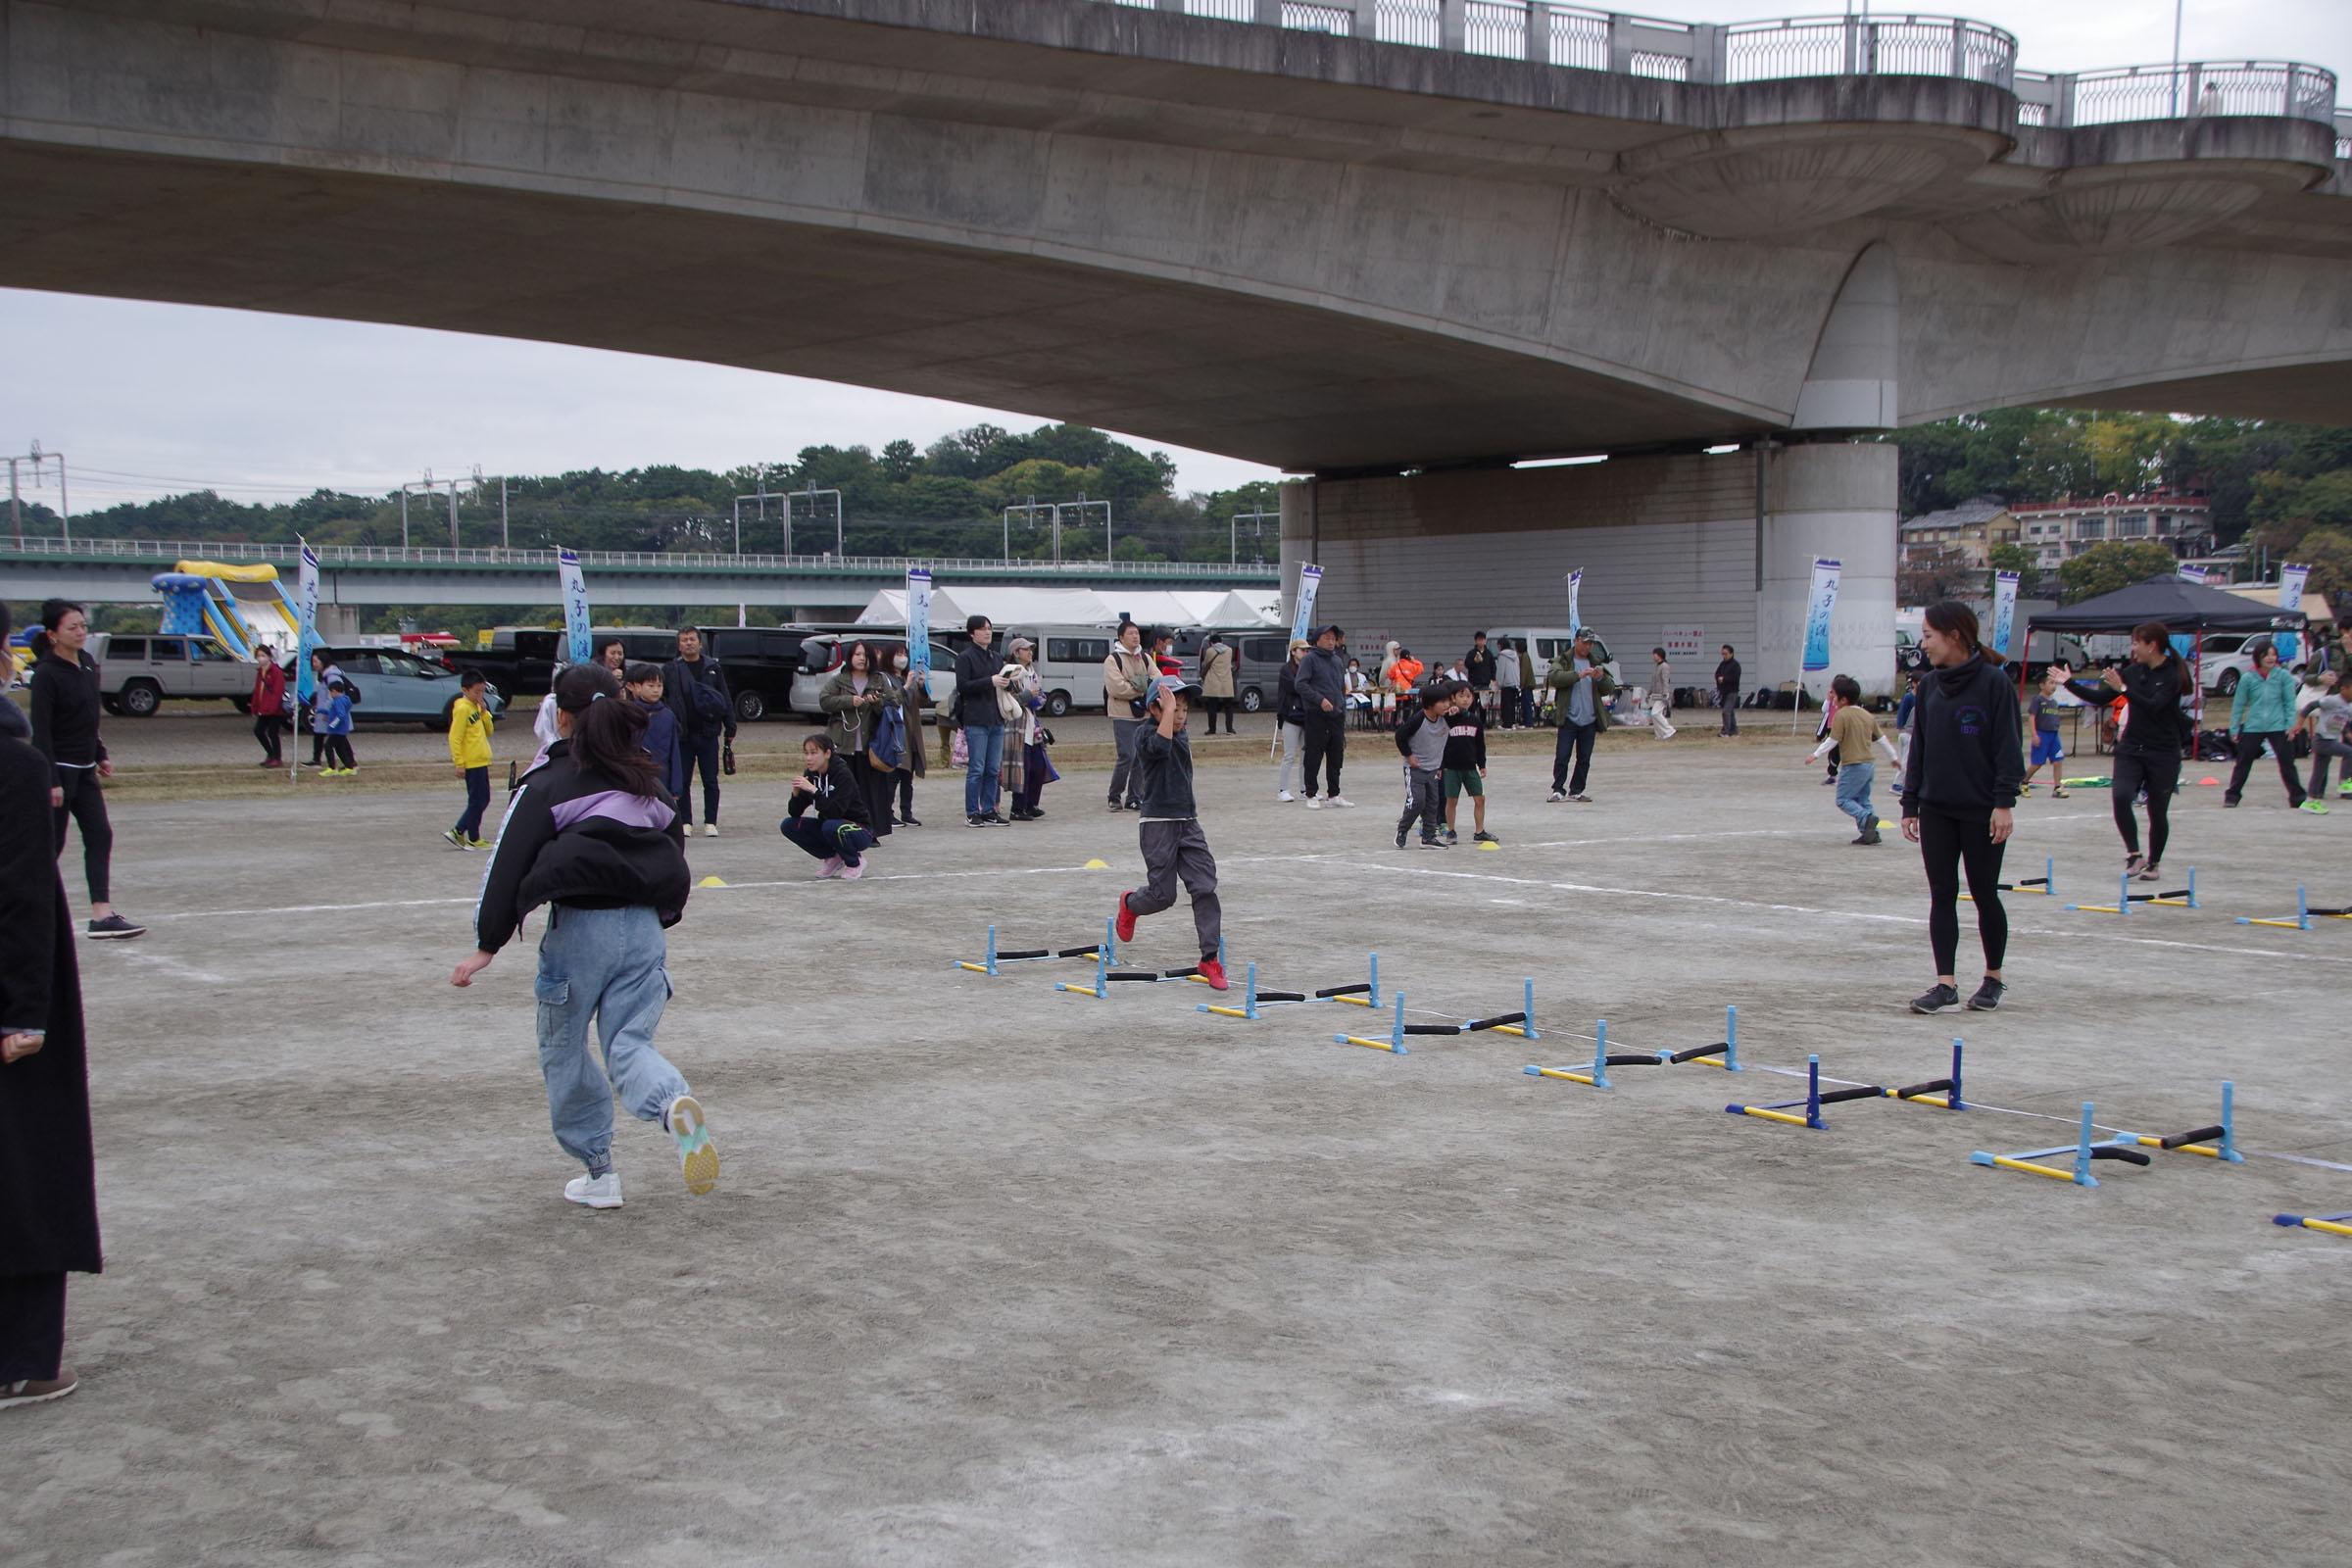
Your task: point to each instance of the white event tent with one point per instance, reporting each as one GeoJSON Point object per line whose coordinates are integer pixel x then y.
{"type": "Point", "coordinates": [951, 607]}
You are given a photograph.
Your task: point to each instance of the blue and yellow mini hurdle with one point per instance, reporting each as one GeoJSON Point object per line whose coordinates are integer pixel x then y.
{"type": "Point", "coordinates": [990, 965]}
{"type": "Point", "coordinates": [2085, 1150]}
{"type": "Point", "coordinates": [2176, 899]}
{"type": "Point", "coordinates": [1363, 996]}
{"type": "Point", "coordinates": [2046, 883]}
{"type": "Point", "coordinates": [1598, 1074]}
{"type": "Point", "coordinates": [1724, 1053]}
{"type": "Point", "coordinates": [1778, 1111]}
{"type": "Point", "coordinates": [2332, 1223]}
{"type": "Point", "coordinates": [1816, 1097]}
{"type": "Point", "coordinates": [1521, 1023]}
{"type": "Point", "coordinates": [2303, 916]}
{"type": "Point", "coordinates": [2217, 1142]}
{"type": "Point", "coordinates": [1397, 1031]}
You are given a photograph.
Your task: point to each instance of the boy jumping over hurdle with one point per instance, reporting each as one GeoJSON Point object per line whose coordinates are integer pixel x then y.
{"type": "Point", "coordinates": [1169, 833]}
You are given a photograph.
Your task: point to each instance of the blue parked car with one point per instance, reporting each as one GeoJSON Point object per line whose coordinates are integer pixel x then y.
{"type": "Point", "coordinates": [397, 687]}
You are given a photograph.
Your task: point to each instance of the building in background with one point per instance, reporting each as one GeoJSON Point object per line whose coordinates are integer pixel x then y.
{"type": "Point", "coordinates": [1962, 536]}
{"type": "Point", "coordinates": [2055, 531]}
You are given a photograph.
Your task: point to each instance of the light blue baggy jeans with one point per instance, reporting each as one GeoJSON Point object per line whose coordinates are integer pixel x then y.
{"type": "Point", "coordinates": [609, 964]}
{"type": "Point", "coordinates": [1853, 792]}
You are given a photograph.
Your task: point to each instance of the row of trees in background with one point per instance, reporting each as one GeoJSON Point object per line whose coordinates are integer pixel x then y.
{"type": "Point", "coordinates": [948, 500]}
{"type": "Point", "coordinates": [2284, 490]}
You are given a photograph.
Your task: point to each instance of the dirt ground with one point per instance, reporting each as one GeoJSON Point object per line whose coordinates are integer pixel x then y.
{"type": "Point", "coordinates": [1002, 1275]}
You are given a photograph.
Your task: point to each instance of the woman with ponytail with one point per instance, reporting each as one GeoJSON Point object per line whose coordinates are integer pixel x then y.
{"type": "Point", "coordinates": [593, 834]}
{"type": "Point", "coordinates": [66, 708]}
{"type": "Point", "coordinates": [1959, 790]}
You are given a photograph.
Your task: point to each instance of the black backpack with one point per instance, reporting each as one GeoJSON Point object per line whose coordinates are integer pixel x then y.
{"type": "Point", "coordinates": [710, 707]}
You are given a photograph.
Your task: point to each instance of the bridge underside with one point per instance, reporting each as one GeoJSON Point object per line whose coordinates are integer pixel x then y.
{"type": "Point", "coordinates": [1275, 382]}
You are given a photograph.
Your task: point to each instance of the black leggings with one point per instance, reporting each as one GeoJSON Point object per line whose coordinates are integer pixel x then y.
{"type": "Point", "coordinates": [85, 804]}
{"type": "Point", "coordinates": [1948, 844]}
{"type": "Point", "coordinates": [32, 1326]}
{"type": "Point", "coordinates": [266, 730]}
{"type": "Point", "coordinates": [338, 753]}
{"type": "Point", "coordinates": [2160, 773]}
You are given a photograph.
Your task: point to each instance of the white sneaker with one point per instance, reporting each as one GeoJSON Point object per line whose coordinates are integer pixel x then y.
{"type": "Point", "coordinates": [698, 1155]}
{"type": "Point", "coordinates": [1313, 804]}
{"type": "Point", "coordinates": [1555, 794]}
{"type": "Point", "coordinates": [709, 830]}
{"type": "Point", "coordinates": [1283, 795]}
{"type": "Point", "coordinates": [832, 865]}
{"type": "Point", "coordinates": [594, 1192]}
{"type": "Point", "coordinates": [1339, 799]}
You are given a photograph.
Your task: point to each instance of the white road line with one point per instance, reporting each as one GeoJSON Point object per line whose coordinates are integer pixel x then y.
{"type": "Point", "coordinates": [1797, 908]}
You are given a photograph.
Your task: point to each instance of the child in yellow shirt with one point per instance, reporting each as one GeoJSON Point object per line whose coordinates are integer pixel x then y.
{"type": "Point", "coordinates": [469, 721]}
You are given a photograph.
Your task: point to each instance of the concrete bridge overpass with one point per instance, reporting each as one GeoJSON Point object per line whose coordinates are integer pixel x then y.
{"type": "Point", "coordinates": [1392, 239]}
{"type": "Point", "coordinates": [118, 571]}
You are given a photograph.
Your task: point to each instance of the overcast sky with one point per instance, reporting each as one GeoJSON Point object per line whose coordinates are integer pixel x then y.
{"type": "Point", "coordinates": [147, 400]}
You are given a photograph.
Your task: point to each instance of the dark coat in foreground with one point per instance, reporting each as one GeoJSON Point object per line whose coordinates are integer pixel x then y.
{"type": "Point", "coordinates": [48, 1188]}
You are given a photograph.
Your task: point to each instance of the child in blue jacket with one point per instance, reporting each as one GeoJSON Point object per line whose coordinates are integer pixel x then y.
{"type": "Point", "coordinates": [330, 716]}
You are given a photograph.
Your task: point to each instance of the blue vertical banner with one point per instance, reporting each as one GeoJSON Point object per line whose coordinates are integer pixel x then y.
{"type": "Point", "coordinates": [1310, 582]}
{"type": "Point", "coordinates": [576, 607]}
{"type": "Point", "coordinates": [2004, 611]}
{"type": "Point", "coordinates": [1820, 604]}
{"type": "Point", "coordinates": [306, 631]}
{"type": "Point", "coordinates": [2291, 579]}
{"type": "Point", "coordinates": [919, 622]}
{"type": "Point", "coordinates": [1576, 589]}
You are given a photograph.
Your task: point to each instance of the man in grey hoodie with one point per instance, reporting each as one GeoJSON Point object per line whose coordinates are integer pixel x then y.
{"type": "Point", "coordinates": [1322, 688]}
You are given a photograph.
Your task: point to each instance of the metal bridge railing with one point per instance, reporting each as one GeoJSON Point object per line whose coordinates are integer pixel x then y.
{"type": "Point", "coordinates": [1547, 33]}
{"type": "Point", "coordinates": [173, 550]}
{"type": "Point", "coordinates": [2280, 88]}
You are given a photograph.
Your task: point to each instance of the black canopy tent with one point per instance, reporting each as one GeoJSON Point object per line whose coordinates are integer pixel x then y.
{"type": "Point", "coordinates": [2183, 606]}
{"type": "Point", "coordinates": [2187, 609]}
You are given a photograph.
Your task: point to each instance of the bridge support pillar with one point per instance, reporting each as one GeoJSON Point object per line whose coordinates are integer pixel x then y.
{"type": "Point", "coordinates": [1688, 551]}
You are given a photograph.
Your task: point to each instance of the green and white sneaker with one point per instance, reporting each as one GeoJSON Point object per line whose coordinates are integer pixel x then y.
{"type": "Point", "coordinates": [2314, 807]}
{"type": "Point", "coordinates": [698, 1155]}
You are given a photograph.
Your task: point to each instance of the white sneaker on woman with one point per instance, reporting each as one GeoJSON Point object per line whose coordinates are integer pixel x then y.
{"type": "Point", "coordinates": [1313, 804]}
{"type": "Point", "coordinates": [594, 1192]}
{"type": "Point", "coordinates": [1339, 799]}
{"type": "Point", "coordinates": [1283, 795]}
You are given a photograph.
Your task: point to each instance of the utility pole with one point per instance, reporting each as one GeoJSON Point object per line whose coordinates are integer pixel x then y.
{"type": "Point", "coordinates": [39, 461]}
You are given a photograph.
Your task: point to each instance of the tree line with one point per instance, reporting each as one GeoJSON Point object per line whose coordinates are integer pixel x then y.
{"type": "Point", "coordinates": [946, 501]}
{"type": "Point", "coordinates": [2285, 489]}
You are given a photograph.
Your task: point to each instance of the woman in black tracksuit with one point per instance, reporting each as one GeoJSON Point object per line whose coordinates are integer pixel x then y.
{"type": "Point", "coordinates": [2157, 729]}
{"type": "Point", "coordinates": [66, 710]}
{"type": "Point", "coordinates": [1958, 791]}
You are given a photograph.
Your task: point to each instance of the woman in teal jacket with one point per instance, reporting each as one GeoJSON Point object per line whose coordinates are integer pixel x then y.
{"type": "Point", "coordinates": [2264, 709]}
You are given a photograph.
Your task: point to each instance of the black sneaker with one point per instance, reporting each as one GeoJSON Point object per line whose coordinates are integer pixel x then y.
{"type": "Point", "coordinates": [1116, 807]}
{"type": "Point", "coordinates": [908, 821]}
{"type": "Point", "coordinates": [1987, 997]}
{"type": "Point", "coordinates": [1400, 836]}
{"type": "Point", "coordinates": [1435, 844]}
{"type": "Point", "coordinates": [1482, 836]}
{"type": "Point", "coordinates": [1935, 998]}
{"type": "Point", "coordinates": [113, 925]}
{"type": "Point", "coordinates": [975, 820]}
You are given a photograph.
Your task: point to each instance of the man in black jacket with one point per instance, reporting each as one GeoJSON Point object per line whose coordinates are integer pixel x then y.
{"type": "Point", "coordinates": [1727, 691]}
{"type": "Point", "coordinates": [979, 677]}
{"type": "Point", "coordinates": [1478, 667]}
{"type": "Point", "coordinates": [695, 690]}
{"type": "Point", "coordinates": [1322, 686]}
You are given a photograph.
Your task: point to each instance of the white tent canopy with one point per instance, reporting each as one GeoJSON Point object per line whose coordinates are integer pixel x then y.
{"type": "Point", "coordinates": [951, 605]}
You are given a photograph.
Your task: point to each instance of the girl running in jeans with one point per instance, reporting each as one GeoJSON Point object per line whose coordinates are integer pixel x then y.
{"type": "Point", "coordinates": [593, 835]}
{"type": "Point", "coordinates": [2155, 682]}
{"type": "Point", "coordinates": [1958, 795]}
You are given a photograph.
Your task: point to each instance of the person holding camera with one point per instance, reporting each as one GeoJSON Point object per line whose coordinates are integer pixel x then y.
{"type": "Point", "coordinates": [1127, 675]}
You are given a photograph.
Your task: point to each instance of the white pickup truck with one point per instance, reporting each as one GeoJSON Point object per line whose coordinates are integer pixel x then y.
{"type": "Point", "coordinates": [137, 671]}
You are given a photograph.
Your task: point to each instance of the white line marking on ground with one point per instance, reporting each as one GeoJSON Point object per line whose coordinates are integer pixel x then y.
{"type": "Point", "coordinates": [1798, 909]}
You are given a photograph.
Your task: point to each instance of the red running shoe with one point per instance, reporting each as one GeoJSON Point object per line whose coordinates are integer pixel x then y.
{"type": "Point", "coordinates": [1212, 971]}
{"type": "Point", "coordinates": [1125, 926]}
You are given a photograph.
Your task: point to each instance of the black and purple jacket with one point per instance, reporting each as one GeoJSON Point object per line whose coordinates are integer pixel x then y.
{"type": "Point", "coordinates": [578, 839]}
